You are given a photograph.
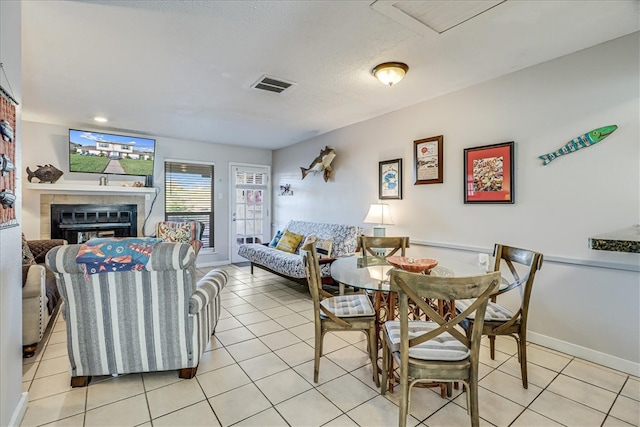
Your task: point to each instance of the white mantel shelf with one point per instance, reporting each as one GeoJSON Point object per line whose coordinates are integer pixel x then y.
{"type": "Point", "coordinates": [87, 188]}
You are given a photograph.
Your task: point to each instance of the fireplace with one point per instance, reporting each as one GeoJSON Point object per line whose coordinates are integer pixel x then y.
{"type": "Point", "coordinates": [78, 223]}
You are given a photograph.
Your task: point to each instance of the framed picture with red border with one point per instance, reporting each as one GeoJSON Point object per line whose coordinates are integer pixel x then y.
{"type": "Point", "coordinates": [488, 174]}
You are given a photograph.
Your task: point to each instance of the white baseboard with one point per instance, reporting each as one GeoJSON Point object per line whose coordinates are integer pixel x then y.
{"type": "Point", "coordinates": [594, 356]}
{"type": "Point", "coordinates": [18, 413]}
{"type": "Point", "coordinates": [213, 263]}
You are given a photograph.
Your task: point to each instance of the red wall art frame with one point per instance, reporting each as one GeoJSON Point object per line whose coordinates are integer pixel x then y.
{"type": "Point", "coordinates": [488, 174]}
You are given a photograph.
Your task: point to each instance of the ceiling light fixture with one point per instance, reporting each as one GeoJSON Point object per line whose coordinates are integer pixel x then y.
{"type": "Point", "coordinates": [390, 73]}
{"type": "Point", "coordinates": [100, 119]}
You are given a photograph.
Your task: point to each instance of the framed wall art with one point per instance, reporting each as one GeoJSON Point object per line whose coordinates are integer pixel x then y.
{"type": "Point", "coordinates": [427, 160]}
{"type": "Point", "coordinates": [390, 179]}
{"type": "Point", "coordinates": [488, 174]}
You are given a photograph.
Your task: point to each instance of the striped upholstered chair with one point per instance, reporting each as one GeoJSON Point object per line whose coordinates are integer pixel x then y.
{"type": "Point", "coordinates": [153, 318]}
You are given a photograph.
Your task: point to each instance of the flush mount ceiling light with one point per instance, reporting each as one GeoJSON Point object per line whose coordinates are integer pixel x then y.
{"type": "Point", "coordinates": [390, 73]}
{"type": "Point", "coordinates": [100, 119]}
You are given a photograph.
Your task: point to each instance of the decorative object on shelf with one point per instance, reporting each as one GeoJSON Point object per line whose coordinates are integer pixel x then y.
{"type": "Point", "coordinates": [625, 240]}
{"type": "Point", "coordinates": [46, 173]}
{"type": "Point", "coordinates": [285, 190]}
{"type": "Point", "coordinates": [427, 160]}
{"type": "Point", "coordinates": [321, 163]}
{"type": "Point", "coordinates": [413, 265]}
{"type": "Point", "coordinates": [390, 73]}
{"type": "Point", "coordinates": [586, 140]}
{"type": "Point", "coordinates": [390, 179]}
{"type": "Point", "coordinates": [6, 130]}
{"type": "Point", "coordinates": [378, 214]}
{"type": "Point", "coordinates": [104, 180]}
{"type": "Point", "coordinates": [6, 165]}
{"type": "Point", "coordinates": [7, 199]}
{"type": "Point", "coordinates": [488, 174]}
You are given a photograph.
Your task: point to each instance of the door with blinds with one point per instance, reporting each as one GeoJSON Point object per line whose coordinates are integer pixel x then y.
{"type": "Point", "coordinates": [250, 207]}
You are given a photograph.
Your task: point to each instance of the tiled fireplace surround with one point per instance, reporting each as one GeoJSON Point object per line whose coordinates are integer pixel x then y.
{"type": "Point", "coordinates": [46, 200]}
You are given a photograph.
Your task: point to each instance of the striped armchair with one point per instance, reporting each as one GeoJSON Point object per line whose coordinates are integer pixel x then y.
{"type": "Point", "coordinates": [156, 319]}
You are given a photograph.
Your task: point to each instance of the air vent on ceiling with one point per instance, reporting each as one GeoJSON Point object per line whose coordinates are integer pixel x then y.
{"type": "Point", "coordinates": [272, 84]}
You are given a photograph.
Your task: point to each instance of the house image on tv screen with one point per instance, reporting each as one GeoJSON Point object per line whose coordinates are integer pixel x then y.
{"type": "Point", "coordinates": [95, 152]}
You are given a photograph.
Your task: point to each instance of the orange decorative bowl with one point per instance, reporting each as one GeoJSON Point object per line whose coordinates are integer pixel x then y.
{"type": "Point", "coordinates": [413, 265]}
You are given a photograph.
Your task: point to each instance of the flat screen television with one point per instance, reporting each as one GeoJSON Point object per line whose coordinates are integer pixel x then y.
{"type": "Point", "coordinates": [105, 153]}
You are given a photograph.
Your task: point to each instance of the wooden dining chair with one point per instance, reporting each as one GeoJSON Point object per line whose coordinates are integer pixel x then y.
{"type": "Point", "coordinates": [369, 244]}
{"type": "Point", "coordinates": [498, 320]}
{"type": "Point", "coordinates": [338, 313]}
{"type": "Point", "coordinates": [437, 349]}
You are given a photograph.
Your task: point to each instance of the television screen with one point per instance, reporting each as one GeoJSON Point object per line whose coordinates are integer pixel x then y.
{"type": "Point", "coordinates": [96, 152]}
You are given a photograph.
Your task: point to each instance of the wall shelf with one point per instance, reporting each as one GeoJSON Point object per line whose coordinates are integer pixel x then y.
{"type": "Point", "coordinates": [47, 188]}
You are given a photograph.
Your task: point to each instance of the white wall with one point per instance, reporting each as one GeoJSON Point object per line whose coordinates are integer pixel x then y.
{"type": "Point", "coordinates": [12, 402]}
{"type": "Point", "coordinates": [47, 143]}
{"type": "Point", "coordinates": [576, 305]}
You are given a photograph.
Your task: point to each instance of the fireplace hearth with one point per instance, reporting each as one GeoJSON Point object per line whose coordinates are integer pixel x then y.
{"type": "Point", "coordinates": [78, 223]}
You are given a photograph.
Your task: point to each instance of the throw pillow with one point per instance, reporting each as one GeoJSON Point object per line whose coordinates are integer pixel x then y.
{"type": "Point", "coordinates": [323, 246]}
{"type": "Point", "coordinates": [274, 242]}
{"type": "Point", "coordinates": [27, 256]}
{"type": "Point", "coordinates": [289, 242]}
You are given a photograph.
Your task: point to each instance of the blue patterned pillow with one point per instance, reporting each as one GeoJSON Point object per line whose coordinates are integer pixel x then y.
{"type": "Point", "coordinates": [274, 242]}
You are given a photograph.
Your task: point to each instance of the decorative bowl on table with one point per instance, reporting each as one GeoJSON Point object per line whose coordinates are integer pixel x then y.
{"type": "Point", "coordinates": [413, 265]}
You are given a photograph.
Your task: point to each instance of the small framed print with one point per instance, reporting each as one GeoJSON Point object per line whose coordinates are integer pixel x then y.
{"type": "Point", "coordinates": [488, 174]}
{"type": "Point", "coordinates": [427, 156]}
{"type": "Point", "coordinates": [390, 179]}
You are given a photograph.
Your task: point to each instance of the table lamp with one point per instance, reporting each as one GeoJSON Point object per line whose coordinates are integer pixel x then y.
{"type": "Point", "coordinates": [378, 214]}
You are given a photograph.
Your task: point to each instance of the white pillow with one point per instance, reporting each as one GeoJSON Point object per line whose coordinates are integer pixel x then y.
{"type": "Point", "coordinates": [323, 246]}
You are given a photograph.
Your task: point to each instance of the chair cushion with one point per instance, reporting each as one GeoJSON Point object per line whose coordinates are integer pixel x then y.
{"type": "Point", "coordinates": [495, 312]}
{"type": "Point", "coordinates": [289, 241]}
{"type": "Point", "coordinates": [349, 305]}
{"type": "Point", "coordinates": [443, 347]}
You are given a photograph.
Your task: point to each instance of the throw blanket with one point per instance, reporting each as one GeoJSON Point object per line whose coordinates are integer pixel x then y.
{"type": "Point", "coordinates": [104, 255]}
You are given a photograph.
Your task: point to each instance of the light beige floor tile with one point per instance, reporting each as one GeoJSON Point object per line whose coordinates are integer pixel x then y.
{"type": "Point", "coordinates": [631, 389]}
{"type": "Point", "coordinates": [213, 344]}
{"type": "Point", "coordinates": [566, 411]}
{"type": "Point", "coordinates": [128, 412]}
{"type": "Point", "coordinates": [502, 411]}
{"type": "Point", "coordinates": [55, 407]}
{"type": "Point", "coordinates": [214, 359]}
{"type": "Point", "coordinates": [278, 340]}
{"type": "Point", "coordinates": [114, 389]}
{"type": "Point", "coordinates": [262, 302]}
{"type": "Point", "coordinates": [57, 337]}
{"type": "Point", "coordinates": [301, 306]}
{"type": "Point", "coordinates": [585, 393]}
{"type": "Point", "coordinates": [269, 418]}
{"type": "Point", "coordinates": [239, 404]}
{"type": "Point", "coordinates": [424, 401]}
{"type": "Point", "coordinates": [236, 302]}
{"type": "Point", "coordinates": [308, 409]}
{"type": "Point", "coordinates": [53, 366]}
{"type": "Point", "coordinates": [154, 380]}
{"type": "Point", "coordinates": [74, 421]}
{"type": "Point", "coordinates": [536, 374]}
{"type": "Point", "coordinates": [296, 354]}
{"type": "Point", "coordinates": [55, 350]}
{"type": "Point", "coordinates": [239, 309]}
{"type": "Point", "coordinates": [454, 415]}
{"type": "Point", "coordinates": [196, 415]}
{"type": "Point", "coordinates": [349, 358]}
{"type": "Point", "coordinates": [485, 357]}
{"type": "Point", "coordinates": [283, 385]}
{"type": "Point", "coordinates": [291, 320]}
{"type": "Point", "coordinates": [304, 332]}
{"type": "Point", "coordinates": [546, 359]}
{"type": "Point", "coordinates": [504, 344]}
{"type": "Point", "coordinates": [224, 314]}
{"type": "Point", "coordinates": [222, 380]}
{"type": "Point", "coordinates": [265, 328]}
{"type": "Point", "coordinates": [510, 387]}
{"type": "Point", "coordinates": [626, 409]}
{"type": "Point", "coordinates": [279, 311]}
{"type": "Point", "coordinates": [346, 392]}
{"type": "Point", "coordinates": [29, 370]}
{"type": "Point", "coordinates": [341, 421]}
{"type": "Point", "coordinates": [328, 371]}
{"type": "Point", "coordinates": [365, 375]}
{"type": "Point", "coordinates": [596, 375]}
{"type": "Point", "coordinates": [48, 386]}
{"type": "Point", "coordinates": [532, 419]}
{"type": "Point", "coordinates": [352, 337]}
{"type": "Point", "coordinates": [308, 314]}
{"type": "Point", "coordinates": [378, 412]}
{"type": "Point", "coordinates": [251, 318]}
{"type": "Point", "coordinates": [234, 336]}
{"type": "Point", "coordinates": [173, 397]}
{"type": "Point", "coordinates": [263, 366]}
{"type": "Point", "coordinates": [329, 343]}
{"type": "Point", "coordinates": [247, 349]}
{"type": "Point", "coordinates": [614, 422]}
{"type": "Point", "coordinates": [228, 323]}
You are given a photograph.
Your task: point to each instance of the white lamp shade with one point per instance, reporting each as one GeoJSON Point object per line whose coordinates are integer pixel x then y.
{"type": "Point", "coordinates": [379, 214]}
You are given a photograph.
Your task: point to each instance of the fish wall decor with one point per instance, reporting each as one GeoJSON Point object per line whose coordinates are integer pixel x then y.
{"type": "Point", "coordinates": [586, 140]}
{"type": "Point", "coordinates": [6, 165]}
{"type": "Point", "coordinates": [46, 173]}
{"type": "Point", "coordinates": [7, 199]}
{"type": "Point", "coordinates": [321, 163]}
{"type": "Point", "coordinates": [6, 131]}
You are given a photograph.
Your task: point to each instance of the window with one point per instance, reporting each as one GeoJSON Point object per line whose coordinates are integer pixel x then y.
{"type": "Point", "coordinates": [188, 195]}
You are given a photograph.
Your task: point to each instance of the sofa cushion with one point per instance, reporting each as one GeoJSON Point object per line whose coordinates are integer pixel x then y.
{"type": "Point", "coordinates": [27, 256]}
{"type": "Point", "coordinates": [274, 242]}
{"type": "Point", "coordinates": [289, 241]}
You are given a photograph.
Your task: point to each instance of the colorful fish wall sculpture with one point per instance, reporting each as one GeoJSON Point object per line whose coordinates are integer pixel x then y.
{"type": "Point", "coordinates": [586, 140]}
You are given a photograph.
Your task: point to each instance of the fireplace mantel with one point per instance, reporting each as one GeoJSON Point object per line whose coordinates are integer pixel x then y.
{"type": "Point", "coordinates": [87, 188]}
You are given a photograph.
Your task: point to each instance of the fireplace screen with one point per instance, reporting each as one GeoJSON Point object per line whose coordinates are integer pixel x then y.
{"type": "Point", "coordinates": [79, 223]}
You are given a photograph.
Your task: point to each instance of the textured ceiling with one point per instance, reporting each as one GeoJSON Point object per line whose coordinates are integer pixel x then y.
{"type": "Point", "coordinates": [184, 69]}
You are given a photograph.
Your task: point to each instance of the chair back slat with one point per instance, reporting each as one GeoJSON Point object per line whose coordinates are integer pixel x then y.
{"type": "Point", "coordinates": [368, 244]}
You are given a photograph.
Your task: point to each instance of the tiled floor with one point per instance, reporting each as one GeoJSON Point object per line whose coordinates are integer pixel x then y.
{"type": "Point", "coordinates": [258, 371]}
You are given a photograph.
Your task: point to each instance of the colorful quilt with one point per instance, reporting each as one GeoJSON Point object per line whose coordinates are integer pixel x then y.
{"type": "Point", "coordinates": [104, 255]}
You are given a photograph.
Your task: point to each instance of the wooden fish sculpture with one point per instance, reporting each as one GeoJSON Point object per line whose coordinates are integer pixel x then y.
{"type": "Point", "coordinates": [321, 163]}
{"type": "Point", "coordinates": [586, 140]}
{"type": "Point", "coordinates": [46, 173]}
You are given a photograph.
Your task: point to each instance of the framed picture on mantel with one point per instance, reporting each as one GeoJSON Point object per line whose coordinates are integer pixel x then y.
{"type": "Point", "coordinates": [427, 155]}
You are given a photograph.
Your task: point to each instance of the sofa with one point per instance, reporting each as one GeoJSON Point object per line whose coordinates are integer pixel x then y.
{"type": "Point", "coordinates": [149, 315]}
{"type": "Point", "coordinates": [40, 297]}
{"type": "Point", "coordinates": [291, 265]}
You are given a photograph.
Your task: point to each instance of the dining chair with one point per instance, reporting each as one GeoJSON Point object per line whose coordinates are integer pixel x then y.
{"type": "Point", "coordinates": [338, 313]}
{"type": "Point", "coordinates": [369, 244]}
{"type": "Point", "coordinates": [436, 349]}
{"type": "Point", "coordinates": [499, 320]}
